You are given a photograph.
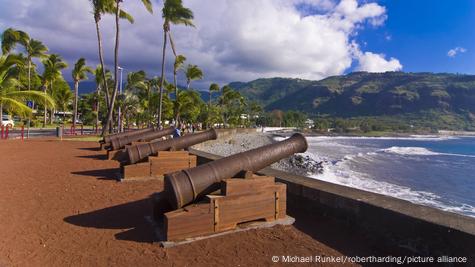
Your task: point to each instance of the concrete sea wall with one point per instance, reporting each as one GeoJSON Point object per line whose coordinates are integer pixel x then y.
{"type": "Point", "coordinates": [393, 223]}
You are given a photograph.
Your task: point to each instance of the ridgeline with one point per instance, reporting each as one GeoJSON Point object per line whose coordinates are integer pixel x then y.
{"type": "Point", "coordinates": [443, 101]}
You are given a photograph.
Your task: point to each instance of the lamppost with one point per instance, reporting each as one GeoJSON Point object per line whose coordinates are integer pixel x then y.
{"type": "Point", "coordinates": [119, 123]}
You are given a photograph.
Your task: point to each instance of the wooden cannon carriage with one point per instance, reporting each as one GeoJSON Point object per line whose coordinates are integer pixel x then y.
{"type": "Point", "coordinates": [223, 195]}
{"type": "Point", "coordinates": [154, 159]}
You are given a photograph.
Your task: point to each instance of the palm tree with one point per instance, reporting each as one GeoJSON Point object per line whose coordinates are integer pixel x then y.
{"type": "Point", "coordinates": [214, 87]}
{"type": "Point", "coordinates": [10, 38]}
{"type": "Point", "coordinates": [98, 77]}
{"type": "Point", "coordinates": [179, 61]}
{"type": "Point", "coordinates": [79, 74]}
{"type": "Point", "coordinates": [149, 86]}
{"type": "Point", "coordinates": [63, 98]}
{"type": "Point", "coordinates": [173, 12]}
{"type": "Point", "coordinates": [148, 6]}
{"type": "Point", "coordinates": [53, 65]}
{"type": "Point", "coordinates": [34, 48]}
{"type": "Point", "coordinates": [101, 7]}
{"type": "Point", "coordinates": [192, 73]}
{"type": "Point", "coordinates": [10, 97]}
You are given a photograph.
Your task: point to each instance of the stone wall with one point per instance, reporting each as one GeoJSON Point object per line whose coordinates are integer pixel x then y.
{"type": "Point", "coordinates": [391, 222]}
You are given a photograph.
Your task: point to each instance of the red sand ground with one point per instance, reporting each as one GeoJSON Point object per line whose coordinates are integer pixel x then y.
{"type": "Point", "coordinates": [59, 206]}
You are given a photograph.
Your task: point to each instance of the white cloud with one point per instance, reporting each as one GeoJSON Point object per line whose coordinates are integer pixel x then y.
{"type": "Point", "coordinates": [453, 52]}
{"type": "Point", "coordinates": [372, 62]}
{"type": "Point", "coordinates": [233, 40]}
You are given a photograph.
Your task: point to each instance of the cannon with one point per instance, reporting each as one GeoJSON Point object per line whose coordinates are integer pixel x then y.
{"type": "Point", "coordinates": [183, 187]}
{"type": "Point", "coordinates": [121, 142]}
{"type": "Point", "coordinates": [108, 138]}
{"type": "Point", "coordinates": [139, 152]}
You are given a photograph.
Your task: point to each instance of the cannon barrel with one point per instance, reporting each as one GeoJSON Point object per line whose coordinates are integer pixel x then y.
{"type": "Point", "coordinates": [108, 138]}
{"type": "Point", "coordinates": [140, 151]}
{"type": "Point", "coordinates": [121, 142]}
{"type": "Point", "coordinates": [183, 187]}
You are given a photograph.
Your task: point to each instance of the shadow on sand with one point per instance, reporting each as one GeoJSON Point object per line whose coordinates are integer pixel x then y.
{"type": "Point", "coordinates": [90, 148]}
{"type": "Point", "coordinates": [101, 174]}
{"type": "Point", "coordinates": [96, 156]}
{"type": "Point", "coordinates": [130, 216]}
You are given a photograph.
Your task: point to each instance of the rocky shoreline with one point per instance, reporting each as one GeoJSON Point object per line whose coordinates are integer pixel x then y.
{"type": "Point", "coordinates": [299, 164]}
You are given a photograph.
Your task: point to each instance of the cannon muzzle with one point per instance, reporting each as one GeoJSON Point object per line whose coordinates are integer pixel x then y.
{"type": "Point", "coordinates": [140, 151]}
{"type": "Point", "coordinates": [108, 138]}
{"type": "Point", "coordinates": [183, 187]}
{"type": "Point", "coordinates": [121, 142]}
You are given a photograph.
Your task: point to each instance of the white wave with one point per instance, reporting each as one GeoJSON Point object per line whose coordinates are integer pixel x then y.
{"type": "Point", "coordinates": [342, 175]}
{"type": "Point", "coordinates": [419, 151]}
{"type": "Point", "coordinates": [411, 137]}
{"type": "Point", "coordinates": [409, 151]}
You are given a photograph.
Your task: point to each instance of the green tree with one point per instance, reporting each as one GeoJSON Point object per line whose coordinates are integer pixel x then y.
{"type": "Point", "coordinates": [10, 38]}
{"type": "Point", "coordinates": [99, 79]}
{"type": "Point", "coordinates": [34, 49]}
{"type": "Point", "coordinates": [79, 74]}
{"type": "Point", "coordinates": [191, 105]}
{"type": "Point", "coordinates": [173, 12]}
{"type": "Point", "coordinates": [232, 104]}
{"type": "Point", "coordinates": [53, 65]}
{"type": "Point", "coordinates": [148, 6]}
{"type": "Point", "coordinates": [63, 97]}
{"type": "Point", "coordinates": [179, 61]}
{"type": "Point", "coordinates": [11, 98]}
{"type": "Point", "coordinates": [192, 73]}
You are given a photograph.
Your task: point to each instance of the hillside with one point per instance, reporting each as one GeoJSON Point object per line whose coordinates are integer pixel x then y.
{"type": "Point", "coordinates": [367, 94]}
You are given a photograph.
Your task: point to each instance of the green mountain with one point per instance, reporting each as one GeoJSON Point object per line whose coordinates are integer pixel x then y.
{"type": "Point", "coordinates": [268, 91]}
{"type": "Point", "coordinates": [367, 94]}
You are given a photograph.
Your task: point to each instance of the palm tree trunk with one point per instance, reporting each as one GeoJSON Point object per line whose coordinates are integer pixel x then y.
{"type": "Point", "coordinates": [108, 126]}
{"type": "Point", "coordinates": [176, 97]}
{"type": "Point", "coordinates": [101, 59]}
{"type": "Point", "coordinates": [52, 108]}
{"type": "Point", "coordinates": [163, 76]}
{"type": "Point", "coordinates": [33, 105]}
{"type": "Point", "coordinates": [75, 111]}
{"type": "Point", "coordinates": [1, 112]}
{"type": "Point", "coordinates": [172, 44]}
{"type": "Point", "coordinates": [177, 109]}
{"type": "Point", "coordinates": [44, 117]}
{"type": "Point", "coordinates": [29, 74]}
{"type": "Point", "coordinates": [149, 110]}
{"type": "Point", "coordinates": [97, 106]}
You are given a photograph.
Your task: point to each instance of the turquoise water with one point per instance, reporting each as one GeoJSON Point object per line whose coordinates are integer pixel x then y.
{"type": "Point", "coordinates": [433, 171]}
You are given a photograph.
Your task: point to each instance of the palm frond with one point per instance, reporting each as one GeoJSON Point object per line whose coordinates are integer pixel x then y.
{"type": "Point", "coordinates": [36, 96]}
{"type": "Point", "coordinates": [14, 106]}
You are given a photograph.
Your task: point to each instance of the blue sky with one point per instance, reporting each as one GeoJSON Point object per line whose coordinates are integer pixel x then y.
{"type": "Point", "coordinates": [235, 41]}
{"type": "Point", "coordinates": [423, 31]}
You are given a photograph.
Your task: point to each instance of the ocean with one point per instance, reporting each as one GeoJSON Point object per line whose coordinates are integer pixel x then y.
{"type": "Point", "coordinates": [428, 170]}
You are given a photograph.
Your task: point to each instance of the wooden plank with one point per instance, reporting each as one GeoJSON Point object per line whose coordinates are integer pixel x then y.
{"type": "Point", "coordinates": [161, 165]}
{"type": "Point", "coordinates": [244, 208]}
{"type": "Point", "coordinates": [136, 170]}
{"type": "Point", "coordinates": [190, 222]}
{"type": "Point", "coordinates": [193, 160]}
{"type": "Point", "coordinates": [172, 153]}
{"type": "Point", "coordinates": [281, 188]}
{"type": "Point", "coordinates": [111, 154]}
{"type": "Point", "coordinates": [231, 187]}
